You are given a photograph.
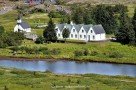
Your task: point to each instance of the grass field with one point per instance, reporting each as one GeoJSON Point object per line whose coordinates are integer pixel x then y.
{"type": "Point", "coordinates": [12, 79]}
{"type": "Point", "coordinates": [101, 52]}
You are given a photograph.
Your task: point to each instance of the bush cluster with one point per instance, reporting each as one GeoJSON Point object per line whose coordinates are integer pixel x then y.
{"type": "Point", "coordinates": [37, 10]}
{"type": "Point", "coordinates": [11, 39]}
{"type": "Point", "coordinates": [35, 50]}
{"type": "Point", "coordinates": [40, 40]}
{"type": "Point", "coordinates": [84, 52]}
{"type": "Point", "coordinates": [115, 54]}
{"type": "Point", "coordinates": [56, 14]}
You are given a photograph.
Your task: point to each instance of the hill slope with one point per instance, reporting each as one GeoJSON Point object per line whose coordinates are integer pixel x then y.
{"type": "Point", "coordinates": [103, 1]}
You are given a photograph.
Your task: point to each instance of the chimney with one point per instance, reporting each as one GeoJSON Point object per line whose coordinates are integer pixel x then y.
{"type": "Point", "coordinates": [71, 23]}
{"type": "Point", "coordinates": [19, 20]}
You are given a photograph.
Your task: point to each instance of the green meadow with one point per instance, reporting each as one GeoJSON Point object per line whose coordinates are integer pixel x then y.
{"type": "Point", "coordinates": [12, 79]}
{"type": "Point", "coordinates": [100, 52]}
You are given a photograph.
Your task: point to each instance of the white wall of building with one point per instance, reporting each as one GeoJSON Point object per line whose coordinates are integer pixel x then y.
{"type": "Point", "coordinates": [82, 34]}
{"type": "Point", "coordinates": [73, 34]}
{"type": "Point", "coordinates": [18, 27]}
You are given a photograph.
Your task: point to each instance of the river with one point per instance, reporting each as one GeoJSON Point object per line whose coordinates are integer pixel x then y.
{"type": "Point", "coordinates": [71, 67]}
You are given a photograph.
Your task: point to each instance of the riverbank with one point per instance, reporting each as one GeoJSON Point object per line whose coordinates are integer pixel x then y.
{"type": "Point", "coordinates": [104, 52]}
{"type": "Point", "coordinates": [14, 79]}
{"type": "Point", "coordinates": [56, 59]}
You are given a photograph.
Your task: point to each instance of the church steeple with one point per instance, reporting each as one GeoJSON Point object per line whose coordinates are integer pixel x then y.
{"type": "Point", "coordinates": [19, 19]}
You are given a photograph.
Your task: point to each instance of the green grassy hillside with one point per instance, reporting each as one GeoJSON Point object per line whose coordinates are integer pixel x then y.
{"type": "Point", "coordinates": [103, 1]}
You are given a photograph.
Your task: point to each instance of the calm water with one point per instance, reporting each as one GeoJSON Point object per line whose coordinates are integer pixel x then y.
{"type": "Point", "coordinates": [72, 67]}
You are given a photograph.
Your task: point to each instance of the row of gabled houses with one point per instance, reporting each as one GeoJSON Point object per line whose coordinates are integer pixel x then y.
{"type": "Point", "coordinates": [82, 32]}
{"type": "Point", "coordinates": [77, 31]}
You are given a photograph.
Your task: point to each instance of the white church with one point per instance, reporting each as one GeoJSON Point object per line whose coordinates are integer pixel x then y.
{"type": "Point", "coordinates": [25, 28]}
{"type": "Point", "coordinates": [22, 26]}
{"type": "Point", "coordinates": [82, 32]}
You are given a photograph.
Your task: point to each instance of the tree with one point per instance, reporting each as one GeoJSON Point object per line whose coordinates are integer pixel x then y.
{"type": "Point", "coordinates": [88, 17]}
{"type": "Point", "coordinates": [39, 40]}
{"type": "Point", "coordinates": [105, 16]}
{"type": "Point", "coordinates": [125, 34]}
{"type": "Point", "coordinates": [65, 33]}
{"type": "Point", "coordinates": [78, 15]}
{"type": "Point", "coordinates": [134, 23]}
{"type": "Point", "coordinates": [49, 33]}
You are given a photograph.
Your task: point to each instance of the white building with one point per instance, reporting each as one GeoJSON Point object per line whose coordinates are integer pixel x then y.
{"type": "Point", "coordinates": [82, 32]}
{"type": "Point", "coordinates": [25, 28]}
{"type": "Point", "coordinates": [22, 26]}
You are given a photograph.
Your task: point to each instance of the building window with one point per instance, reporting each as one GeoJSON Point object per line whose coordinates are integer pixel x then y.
{"type": "Point", "coordinates": [71, 35]}
{"type": "Point", "coordinates": [75, 36]}
{"type": "Point", "coordinates": [93, 37]}
{"type": "Point", "coordinates": [56, 30]}
{"type": "Point", "coordinates": [82, 31]}
{"type": "Point", "coordinates": [84, 36]}
{"type": "Point", "coordinates": [73, 30]}
{"type": "Point", "coordinates": [89, 37]}
{"type": "Point", "coordinates": [80, 36]}
{"type": "Point", "coordinates": [58, 35]}
{"type": "Point", "coordinates": [91, 31]}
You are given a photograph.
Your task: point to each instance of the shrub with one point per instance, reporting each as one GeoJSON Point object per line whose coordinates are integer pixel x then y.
{"type": "Point", "coordinates": [93, 53]}
{"type": "Point", "coordinates": [115, 54]}
{"type": "Point", "coordinates": [55, 51]}
{"type": "Point", "coordinates": [15, 48]}
{"type": "Point", "coordinates": [29, 50]}
{"type": "Point", "coordinates": [86, 52]}
{"type": "Point", "coordinates": [60, 2]}
{"type": "Point", "coordinates": [69, 80]}
{"type": "Point", "coordinates": [1, 72]}
{"type": "Point", "coordinates": [23, 48]}
{"type": "Point", "coordinates": [37, 10]}
{"type": "Point", "coordinates": [78, 53]}
{"type": "Point", "coordinates": [39, 40]}
{"type": "Point", "coordinates": [21, 72]}
{"type": "Point", "coordinates": [2, 44]}
{"type": "Point", "coordinates": [78, 81]}
{"type": "Point", "coordinates": [43, 49]}
{"type": "Point", "coordinates": [54, 14]}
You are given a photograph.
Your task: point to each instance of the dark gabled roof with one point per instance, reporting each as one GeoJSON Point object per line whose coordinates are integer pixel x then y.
{"type": "Point", "coordinates": [24, 25]}
{"type": "Point", "coordinates": [69, 26]}
{"type": "Point", "coordinates": [77, 27]}
{"type": "Point", "coordinates": [60, 26]}
{"type": "Point", "coordinates": [87, 27]}
{"type": "Point", "coordinates": [98, 29]}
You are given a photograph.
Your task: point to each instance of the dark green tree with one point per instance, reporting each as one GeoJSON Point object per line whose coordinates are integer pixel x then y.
{"type": "Point", "coordinates": [65, 33]}
{"type": "Point", "coordinates": [103, 15]}
{"type": "Point", "coordinates": [78, 15]}
{"type": "Point", "coordinates": [39, 40]}
{"type": "Point", "coordinates": [125, 34]}
{"type": "Point", "coordinates": [49, 33]}
{"type": "Point", "coordinates": [134, 23]}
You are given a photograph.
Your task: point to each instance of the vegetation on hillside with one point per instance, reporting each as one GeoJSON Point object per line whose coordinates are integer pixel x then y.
{"type": "Point", "coordinates": [12, 79]}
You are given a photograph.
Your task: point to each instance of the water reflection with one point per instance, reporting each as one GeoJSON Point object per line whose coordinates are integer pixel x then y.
{"type": "Point", "coordinates": [72, 67]}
